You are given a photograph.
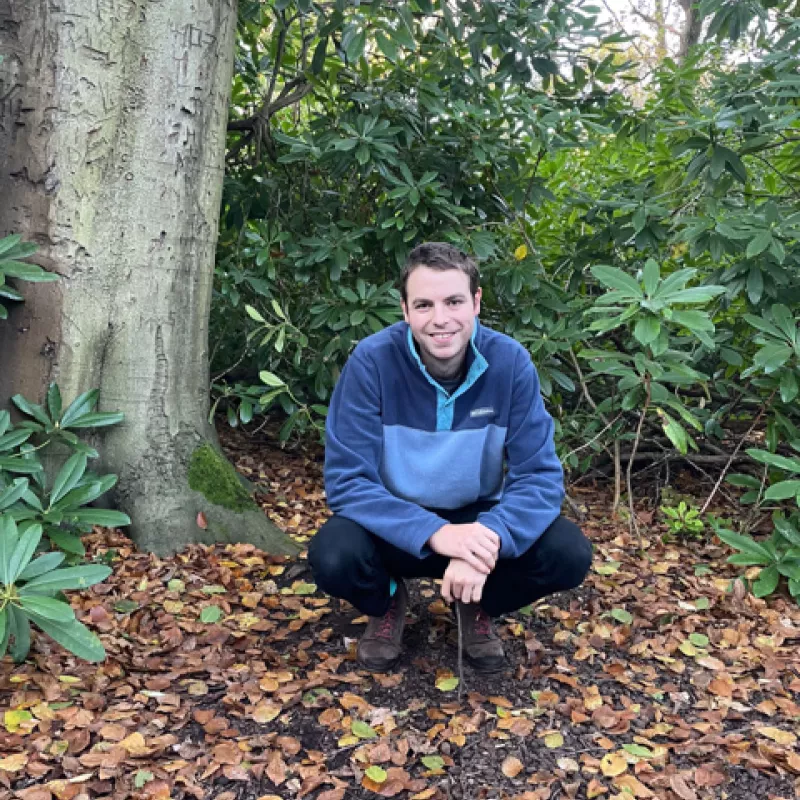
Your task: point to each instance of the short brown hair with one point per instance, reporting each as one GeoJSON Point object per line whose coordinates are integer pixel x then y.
{"type": "Point", "coordinates": [441, 256]}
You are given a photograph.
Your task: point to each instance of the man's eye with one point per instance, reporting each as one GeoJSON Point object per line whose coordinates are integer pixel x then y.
{"type": "Point", "coordinates": [456, 302]}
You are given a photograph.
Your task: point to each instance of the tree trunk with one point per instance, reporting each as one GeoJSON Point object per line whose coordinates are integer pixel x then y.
{"type": "Point", "coordinates": [692, 27]}
{"type": "Point", "coordinates": [112, 135]}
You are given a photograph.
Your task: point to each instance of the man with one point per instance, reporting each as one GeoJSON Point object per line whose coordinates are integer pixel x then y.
{"type": "Point", "coordinates": [440, 463]}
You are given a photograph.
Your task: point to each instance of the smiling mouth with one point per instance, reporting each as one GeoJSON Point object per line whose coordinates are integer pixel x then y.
{"type": "Point", "coordinates": [443, 336]}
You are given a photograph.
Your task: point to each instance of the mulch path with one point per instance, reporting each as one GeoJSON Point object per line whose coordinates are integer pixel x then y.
{"type": "Point", "coordinates": [230, 677]}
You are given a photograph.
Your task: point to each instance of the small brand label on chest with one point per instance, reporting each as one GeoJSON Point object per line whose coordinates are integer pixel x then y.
{"type": "Point", "coordinates": [482, 412]}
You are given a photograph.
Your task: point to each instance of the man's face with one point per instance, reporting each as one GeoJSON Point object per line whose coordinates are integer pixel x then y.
{"type": "Point", "coordinates": [441, 314]}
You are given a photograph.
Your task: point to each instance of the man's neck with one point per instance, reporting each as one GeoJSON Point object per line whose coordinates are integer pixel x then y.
{"type": "Point", "coordinates": [445, 372]}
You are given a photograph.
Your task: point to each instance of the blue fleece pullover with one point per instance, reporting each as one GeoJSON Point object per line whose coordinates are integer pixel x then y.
{"type": "Point", "coordinates": [399, 445]}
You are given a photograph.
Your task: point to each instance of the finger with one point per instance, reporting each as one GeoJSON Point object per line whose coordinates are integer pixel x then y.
{"type": "Point", "coordinates": [486, 555]}
{"type": "Point", "coordinates": [458, 590]}
{"type": "Point", "coordinates": [446, 588]}
{"type": "Point", "coordinates": [492, 540]}
{"type": "Point", "coordinates": [477, 593]}
{"type": "Point", "coordinates": [477, 563]}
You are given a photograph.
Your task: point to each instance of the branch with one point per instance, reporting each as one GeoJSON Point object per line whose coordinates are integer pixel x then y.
{"type": "Point", "coordinates": [736, 450]}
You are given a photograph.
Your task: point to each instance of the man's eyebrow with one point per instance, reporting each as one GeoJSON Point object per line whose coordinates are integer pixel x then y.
{"type": "Point", "coordinates": [459, 296]}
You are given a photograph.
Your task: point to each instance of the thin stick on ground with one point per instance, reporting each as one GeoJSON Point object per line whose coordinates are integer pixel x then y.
{"type": "Point", "coordinates": [590, 400]}
{"type": "Point", "coordinates": [634, 523]}
{"type": "Point", "coordinates": [460, 653]}
{"type": "Point", "coordinates": [735, 452]}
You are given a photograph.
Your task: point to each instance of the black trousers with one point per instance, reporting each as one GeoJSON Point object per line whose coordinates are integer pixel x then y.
{"type": "Point", "coordinates": [351, 563]}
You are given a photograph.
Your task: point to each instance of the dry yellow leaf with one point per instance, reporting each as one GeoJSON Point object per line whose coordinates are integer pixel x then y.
{"type": "Point", "coordinates": [511, 767]}
{"type": "Point", "coordinates": [521, 252]}
{"type": "Point", "coordinates": [785, 738]}
{"type": "Point", "coordinates": [553, 740]}
{"type": "Point", "coordinates": [266, 712]}
{"type": "Point", "coordinates": [14, 763]}
{"type": "Point", "coordinates": [135, 745]}
{"type": "Point", "coordinates": [613, 764]}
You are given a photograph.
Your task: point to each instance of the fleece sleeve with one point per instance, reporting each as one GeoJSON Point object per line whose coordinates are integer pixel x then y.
{"type": "Point", "coordinates": [353, 449]}
{"type": "Point", "coordinates": [534, 486]}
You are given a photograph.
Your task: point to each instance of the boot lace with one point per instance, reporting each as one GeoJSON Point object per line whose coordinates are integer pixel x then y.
{"type": "Point", "coordinates": [483, 623]}
{"type": "Point", "coordinates": [388, 621]}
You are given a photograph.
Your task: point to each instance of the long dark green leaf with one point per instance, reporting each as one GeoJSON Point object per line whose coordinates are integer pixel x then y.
{"type": "Point", "coordinates": [26, 545]}
{"type": "Point", "coordinates": [40, 565]}
{"type": "Point", "coordinates": [74, 636]}
{"type": "Point", "coordinates": [68, 476]}
{"type": "Point", "coordinates": [20, 630]}
{"type": "Point", "coordinates": [80, 406]}
{"type": "Point", "coordinates": [68, 578]}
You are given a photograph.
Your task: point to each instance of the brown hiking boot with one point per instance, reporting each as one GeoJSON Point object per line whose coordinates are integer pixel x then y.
{"type": "Point", "coordinates": [382, 642]}
{"type": "Point", "coordinates": [483, 648]}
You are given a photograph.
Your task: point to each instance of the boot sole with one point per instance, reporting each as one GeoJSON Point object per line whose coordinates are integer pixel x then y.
{"type": "Point", "coordinates": [383, 666]}
{"type": "Point", "coordinates": [488, 668]}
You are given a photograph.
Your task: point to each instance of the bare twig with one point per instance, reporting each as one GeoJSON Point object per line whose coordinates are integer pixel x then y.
{"type": "Point", "coordinates": [460, 652]}
{"type": "Point", "coordinates": [633, 521]}
{"type": "Point", "coordinates": [736, 451]}
{"type": "Point", "coordinates": [616, 456]}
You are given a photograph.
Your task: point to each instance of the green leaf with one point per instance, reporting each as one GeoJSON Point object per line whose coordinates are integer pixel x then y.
{"type": "Point", "coordinates": [74, 636]}
{"type": "Point", "coordinates": [19, 630]}
{"type": "Point", "coordinates": [638, 750]}
{"type": "Point", "coordinates": [433, 762]}
{"type": "Point", "coordinates": [79, 407]}
{"type": "Point", "coordinates": [695, 295]}
{"type": "Point", "coordinates": [27, 272]}
{"type": "Point", "coordinates": [47, 607]}
{"type": "Point", "coordinates": [254, 314]}
{"type": "Point", "coordinates": [698, 639]}
{"type": "Point", "coordinates": [362, 730]}
{"type": "Point", "coordinates": [621, 615]}
{"type": "Point", "coordinates": [9, 537]}
{"type": "Point", "coordinates": [97, 419]}
{"type": "Point", "coordinates": [619, 280]}
{"type": "Point", "coordinates": [68, 578]}
{"type": "Point", "coordinates": [789, 387]}
{"type": "Point", "coordinates": [54, 401]}
{"type": "Point", "coordinates": [31, 409]}
{"type": "Point", "coordinates": [387, 46]}
{"type": "Point", "coordinates": [774, 460]}
{"type": "Point", "coordinates": [376, 773]}
{"type": "Point", "coordinates": [652, 276]}
{"type": "Point", "coordinates": [142, 777]}
{"type": "Point", "coordinates": [211, 614]}
{"type": "Point", "coordinates": [68, 542]}
{"type": "Point", "coordinates": [40, 565]}
{"type": "Point", "coordinates": [745, 545]}
{"type": "Point", "coordinates": [767, 581]}
{"type": "Point", "coordinates": [759, 243]}
{"type": "Point", "coordinates": [270, 379]}
{"type": "Point", "coordinates": [647, 329]}
{"type": "Point", "coordinates": [104, 517]}
{"type": "Point", "coordinates": [26, 546]}
{"type": "Point", "coordinates": [14, 438]}
{"type": "Point", "coordinates": [773, 357]}
{"type": "Point", "coordinates": [318, 61]}
{"type": "Point", "coordinates": [783, 490]}
{"type": "Point", "coordinates": [68, 476]}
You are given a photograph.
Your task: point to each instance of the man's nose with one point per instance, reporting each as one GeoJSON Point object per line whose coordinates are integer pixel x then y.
{"type": "Point", "coordinates": [439, 315]}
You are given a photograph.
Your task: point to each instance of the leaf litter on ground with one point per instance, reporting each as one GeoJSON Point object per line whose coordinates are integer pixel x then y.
{"type": "Point", "coordinates": [231, 677]}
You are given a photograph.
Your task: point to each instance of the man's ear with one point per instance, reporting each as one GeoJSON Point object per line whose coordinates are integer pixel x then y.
{"type": "Point", "coordinates": [405, 310]}
{"type": "Point", "coordinates": [477, 301]}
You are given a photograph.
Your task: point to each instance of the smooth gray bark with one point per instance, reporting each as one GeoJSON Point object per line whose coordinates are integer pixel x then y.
{"type": "Point", "coordinates": [112, 137]}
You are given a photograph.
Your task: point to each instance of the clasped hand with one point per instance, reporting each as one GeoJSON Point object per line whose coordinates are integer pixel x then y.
{"type": "Point", "coordinates": [474, 543]}
{"type": "Point", "coordinates": [473, 550]}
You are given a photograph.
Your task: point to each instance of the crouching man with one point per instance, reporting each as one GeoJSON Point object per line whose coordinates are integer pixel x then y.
{"type": "Point", "coordinates": [440, 463]}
